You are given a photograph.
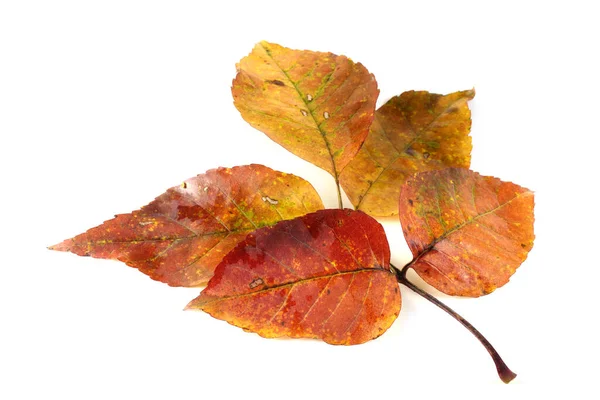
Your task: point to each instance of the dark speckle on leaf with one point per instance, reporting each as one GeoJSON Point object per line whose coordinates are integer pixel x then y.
{"type": "Point", "coordinates": [276, 82]}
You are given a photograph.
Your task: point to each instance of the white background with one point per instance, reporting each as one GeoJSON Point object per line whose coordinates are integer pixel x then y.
{"type": "Point", "coordinates": [104, 105]}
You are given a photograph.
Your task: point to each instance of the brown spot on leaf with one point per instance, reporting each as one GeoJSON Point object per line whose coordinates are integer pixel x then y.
{"type": "Point", "coordinates": [276, 82]}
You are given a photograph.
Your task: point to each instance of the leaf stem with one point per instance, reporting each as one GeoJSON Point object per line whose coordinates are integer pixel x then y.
{"type": "Point", "coordinates": [503, 371]}
{"type": "Point", "coordinates": [339, 192]}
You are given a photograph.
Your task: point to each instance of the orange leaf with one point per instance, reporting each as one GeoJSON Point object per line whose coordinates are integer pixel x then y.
{"type": "Point", "coordinates": [325, 275]}
{"type": "Point", "coordinates": [317, 105]}
{"type": "Point", "coordinates": [468, 233]}
{"type": "Point", "coordinates": [181, 236]}
{"type": "Point", "coordinates": [413, 132]}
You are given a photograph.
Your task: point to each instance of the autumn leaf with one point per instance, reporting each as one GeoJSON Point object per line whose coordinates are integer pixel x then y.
{"type": "Point", "coordinates": [468, 233]}
{"type": "Point", "coordinates": [317, 105]}
{"type": "Point", "coordinates": [182, 235]}
{"type": "Point", "coordinates": [411, 133]}
{"type": "Point", "coordinates": [325, 275]}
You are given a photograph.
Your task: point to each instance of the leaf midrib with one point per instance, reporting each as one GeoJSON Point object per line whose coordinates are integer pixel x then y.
{"type": "Point", "coordinates": [310, 111]}
{"type": "Point", "coordinates": [174, 238]}
{"type": "Point", "coordinates": [297, 282]}
{"type": "Point", "coordinates": [446, 234]}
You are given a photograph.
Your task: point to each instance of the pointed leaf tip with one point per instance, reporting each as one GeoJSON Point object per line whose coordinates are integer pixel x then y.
{"type": "Point", "coordinates": [62, 246]}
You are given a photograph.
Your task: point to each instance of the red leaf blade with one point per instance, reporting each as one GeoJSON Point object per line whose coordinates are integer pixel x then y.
{"type": "Point", "coordinates": [324, 275]}
{"type": "Point", "coordinates": [182, 235]}
{"type": "Point", "coordinates": [468, 233]}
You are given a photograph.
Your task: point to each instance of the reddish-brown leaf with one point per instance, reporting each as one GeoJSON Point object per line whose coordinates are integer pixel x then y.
{"type": "Point", "coordinates": [317, 105]}
{"type": "Point", "coordinates": [325, 275]}
{"type": "Point", "coordinates": [413, 132]}
{"type": "Point", "coordinates": [468, 233]}
{"type": "Point", "coordinates": [181, 236]}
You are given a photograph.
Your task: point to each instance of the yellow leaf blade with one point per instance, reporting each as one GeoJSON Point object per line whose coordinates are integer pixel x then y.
{"type": "Point", "coordinates": [411, 133]}
{"type": "Point", "coordinates": [318, 106]}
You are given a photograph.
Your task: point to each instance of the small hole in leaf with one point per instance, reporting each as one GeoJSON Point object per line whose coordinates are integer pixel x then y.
{"type": "Point", "coordinates": [269, 200]}
{"type": "Point", "coordinates": [256, 282]}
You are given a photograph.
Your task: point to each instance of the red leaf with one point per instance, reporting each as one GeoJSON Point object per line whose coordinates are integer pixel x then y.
{"type": "Point", "coordinates": [469, 233]}
{"type": "Point", "coordinates": [325, 275]}
{"type": "Point", "coordinates": [181, 236]}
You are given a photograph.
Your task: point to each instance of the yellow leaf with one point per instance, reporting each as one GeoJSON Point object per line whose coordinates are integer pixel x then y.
{"type": "Point", "coordinates": [317, 105]}
{"type": "Point", "coordinates": [411, 133]}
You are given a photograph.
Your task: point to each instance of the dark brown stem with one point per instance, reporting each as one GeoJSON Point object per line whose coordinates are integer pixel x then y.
{"type": "Point", "coordinates": [503, 371]}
